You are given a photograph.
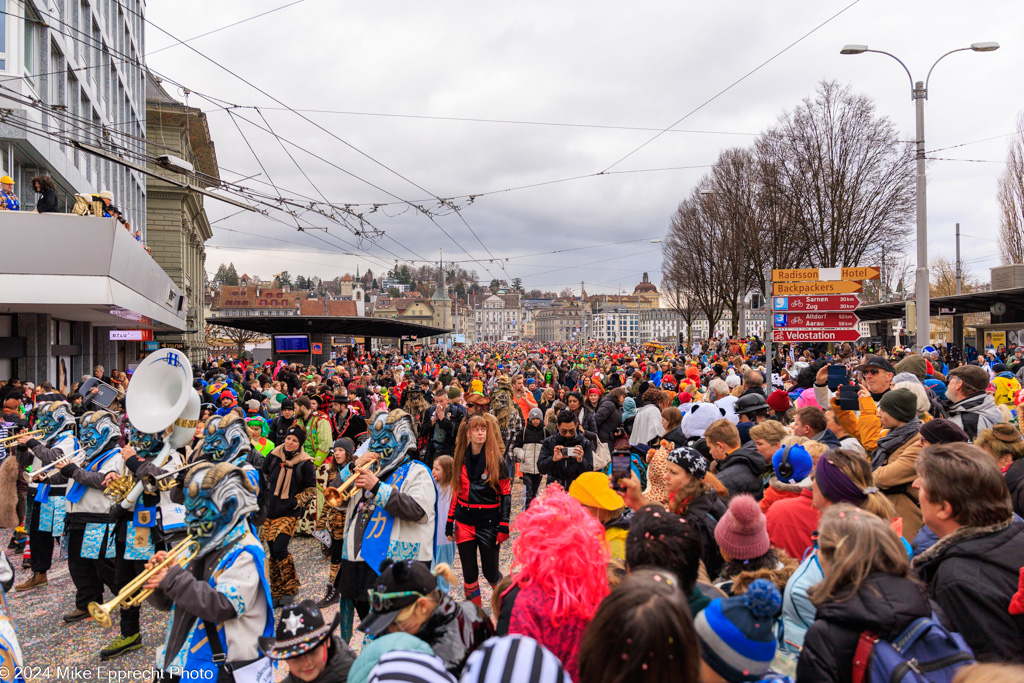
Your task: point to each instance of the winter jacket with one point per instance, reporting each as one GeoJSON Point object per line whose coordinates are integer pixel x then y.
{"type": "Point", "coordinates": [791, 523]}
{"type": "Point", "coordinates": [885, 604]}
{"type": "Point", "coordinates": [339, 660]}
{"type": "Point", "coordinates": [972, 574]}
{"type": "Point", "coordinates": [828, 438]}
{"type": "Point", "coordinates": [587, 423]}
{"type": "Point", "coordinates": [704, 512]}
{"type": "Point", "coordinates": [676, 437]}
{"type": "Point", "coordinates": [894, 478]}
{"type": "Point", "coordinates": [528, 446]}
{"type": "Point", "coordinates": [1007, 387]}
{"type": "Point", "coordinates": [1015, 482]}
{"type": "Point", "coordinates": [302, 483]}
{"type": "Point", "coordinates": [798, 612]}
{"type": "Point", "coordinates": [608, 418]}
{"type": "Point", "coordinates": [741, 471]}
{"type": "Point", "coordinates": [454, 630]}
{"type": "Point", "coordinates": [778, 490]}
{"type": "Point", "coordinates": [565, 470]}
{"type": "Point", "coordinates": [975, 414]}
{"type": "Point", "coordinates": [440, 436]}
{"type": "Point", "coordinates": [478, 503]}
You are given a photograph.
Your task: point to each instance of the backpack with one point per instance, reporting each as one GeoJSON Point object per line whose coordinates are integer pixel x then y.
{"type": "Point", "coordinates": [924, 653]}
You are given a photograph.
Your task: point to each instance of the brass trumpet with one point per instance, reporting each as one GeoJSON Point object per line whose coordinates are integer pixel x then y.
{"type": "Point", "coordinates": [336, 496]}
{"type": "Point", "coordinates": [134, 592]}
{"type": "Point", "coordinates": [167, 480]}
{"type": "Point", "coordinates": [54, 467]}
{"type": "Point", "coordinates": [11, 439]}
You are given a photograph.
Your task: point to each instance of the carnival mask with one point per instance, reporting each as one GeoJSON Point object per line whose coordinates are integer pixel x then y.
{"type": "Point", "coordinates": [226, 438]}
{"type": "Point", "coordinates": [217, 498]}
{"type": "Point", "coordinates": [98, 430]}
{"type": "Point", "coordinates": [53, 418]}
{"type": "Point", "coordinates": [142, 442]}
{"type": "Point", "coordinates": [392, 436]}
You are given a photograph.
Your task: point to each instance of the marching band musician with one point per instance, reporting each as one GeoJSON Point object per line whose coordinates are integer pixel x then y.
{"type": "Point", "coordinates": [220, 602]}
{"type": "Point", "coordinates": [91, 547]}
{"type": "Point", "coordinates": [393, 516]}
{"type": "Point", "coordinates": [48, 508]}
{"type": "Point", "coordinates": [143, 522]}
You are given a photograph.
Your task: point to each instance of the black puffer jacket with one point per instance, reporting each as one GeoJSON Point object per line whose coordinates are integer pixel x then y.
{"type": "Point", "coordinates": [454, 630]}
{"type": "Point", "coordinates": [742, 470]}
{"type": "Point", "coordinates": [1015, 482]}
{"type": "Point", "coordinates": [339, 661]}
{"type": "Point", "coordinates": [885, 604]}
{"type": "Point", "coordinates": [972, 574]}
{"type": "Point", "coordinates": [608, 418]}
{"type": "Point", "coordinates": [704, 513]}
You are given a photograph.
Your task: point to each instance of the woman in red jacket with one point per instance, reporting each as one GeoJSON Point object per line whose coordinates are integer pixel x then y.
{"type": "Point", "coordinates": [481, 501]}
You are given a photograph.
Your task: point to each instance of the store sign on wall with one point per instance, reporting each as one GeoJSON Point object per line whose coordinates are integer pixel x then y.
{"type": "Point", "coordinates": [131, 335]}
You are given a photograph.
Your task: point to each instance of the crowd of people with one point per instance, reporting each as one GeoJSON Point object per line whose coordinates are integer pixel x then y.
{"type": "Point", "coordinates": [685, 516]}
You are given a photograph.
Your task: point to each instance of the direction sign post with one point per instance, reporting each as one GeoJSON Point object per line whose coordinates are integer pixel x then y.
{"type": "Point", "coordinates": [819, 321]}
{"type": "Point", "coordinates": [838, 302]}
{"type": "Point", "coordinates": [822, 287]}
{"type": "Point", "coordinates": [816, 274]}
{"type": "Point", "coordinates": [807, 336]}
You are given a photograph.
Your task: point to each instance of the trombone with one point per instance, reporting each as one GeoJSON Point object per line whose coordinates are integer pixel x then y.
{"type": "Point", "coordinates": [10, 439]}
{"type": "Point", "coordinates": [335, 496]}
{"type": "Point", "coordinates": [134, 592]}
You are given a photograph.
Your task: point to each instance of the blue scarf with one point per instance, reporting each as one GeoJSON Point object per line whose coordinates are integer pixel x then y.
{"type": "Point", "coordinates": [77, 489]}
{"type": "Point", "coordinates": [377, 536]}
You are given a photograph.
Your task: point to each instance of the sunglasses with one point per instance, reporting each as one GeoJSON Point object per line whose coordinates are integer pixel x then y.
{"type": "Point", "coordinates": [381, 602]}
{"type": "Point", "coordinates": [873, 371]}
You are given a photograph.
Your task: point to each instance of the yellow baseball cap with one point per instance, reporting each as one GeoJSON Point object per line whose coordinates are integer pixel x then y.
{"type": "Point", "coordinates": [593, 490]}
{"type": "Point", "coordinates": [7, 180]}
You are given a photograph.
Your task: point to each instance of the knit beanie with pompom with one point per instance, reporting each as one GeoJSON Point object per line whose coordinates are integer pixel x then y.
{"type": "Point", "coordinates": [742, 533]}
{"type": "Point", "coordinates": [736, 636]}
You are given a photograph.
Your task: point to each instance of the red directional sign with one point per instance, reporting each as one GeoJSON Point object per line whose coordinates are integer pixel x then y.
{"type": "Point", "coordinates": [816, 303]}
{"type": "Point", "coordinates": [801, 336]}
{"type": "Point", "coordinates": [818, 321]}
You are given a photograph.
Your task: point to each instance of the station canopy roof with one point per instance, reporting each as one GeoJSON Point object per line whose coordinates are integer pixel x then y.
{"type": "Point", "coordinates": [351, 326]}
{"type": "Point", "coordinates": [956, 304]}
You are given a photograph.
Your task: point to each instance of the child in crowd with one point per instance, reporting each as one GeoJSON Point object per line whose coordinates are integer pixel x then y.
{"type": "Point", "coordinates": [642, 632]}
{"type": "Point", "coordinates": [736, 637]}
{"type": "Point", "coordinates": [662, 539]}
{"type": "Point", "coordinates": [444, 476]}
{"type": "Point", "coordinates": [529, 444]}
{"type": "Point", "coordinates": [593, 491]}
{"type": "Point", "coordinates": [743, 541]}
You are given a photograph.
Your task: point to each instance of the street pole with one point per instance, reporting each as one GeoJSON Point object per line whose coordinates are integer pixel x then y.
{"type": "Point", "coordinates": [919, 93]}
{"type": "Point", "coordinates": [923, 295]}
{"type": "Point", "coordinates": [768, 326]}
{"type": "Point", "coordinates": [959, 273]}
{"type": "Point", "coordinates": [958, 318]}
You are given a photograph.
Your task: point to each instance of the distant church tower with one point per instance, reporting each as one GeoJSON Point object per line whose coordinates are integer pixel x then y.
{"type": "Point", "coordinates": [441, 302]}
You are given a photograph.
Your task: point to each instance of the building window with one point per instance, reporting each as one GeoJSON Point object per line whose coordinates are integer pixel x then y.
{"type": "Point", "coordinates": [31, 47]}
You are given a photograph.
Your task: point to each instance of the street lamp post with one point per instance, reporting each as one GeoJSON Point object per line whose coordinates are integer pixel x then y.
{"type": "Point", "coordinates": [919, 93]}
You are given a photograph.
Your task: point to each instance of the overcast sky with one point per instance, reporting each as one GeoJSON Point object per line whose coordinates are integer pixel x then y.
{"type": "Point", "coordinates": [594, 67]}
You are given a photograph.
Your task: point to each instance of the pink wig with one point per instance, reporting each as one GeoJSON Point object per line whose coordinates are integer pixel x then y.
{"type": "Point", "coordinates": [561, 549]}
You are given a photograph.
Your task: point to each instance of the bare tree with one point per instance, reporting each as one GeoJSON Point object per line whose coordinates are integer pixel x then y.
{"type": "Point", "coordinates": [216, 336]}
{"type": "Point", "coordinates": [943, 283]}
{"type": "Point", "coordinates": [848, 177]}
{"type": "Point", "coordinates": [676, 293]}
{"type": "Point", "coordinates": [691, 255]}
{"type": "Point", "coordinates": [1011, 199]}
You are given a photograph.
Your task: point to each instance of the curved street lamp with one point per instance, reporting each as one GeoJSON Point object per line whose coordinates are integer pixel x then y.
{"type": "Point", "coordinates": [919, 93]}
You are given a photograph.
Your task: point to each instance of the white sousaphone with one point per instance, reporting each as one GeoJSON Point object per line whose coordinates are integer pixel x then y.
{"type": "Point", "coordinates": [160, 395]}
